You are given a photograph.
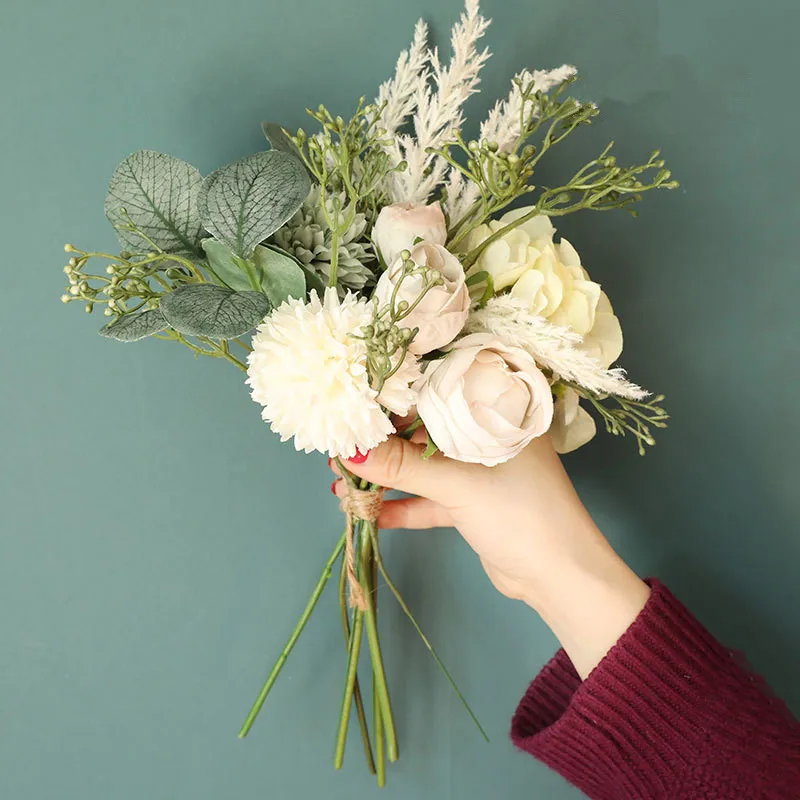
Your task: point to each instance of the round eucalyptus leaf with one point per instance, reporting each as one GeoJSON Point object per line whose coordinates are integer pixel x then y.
{"type": "Point", "coordinates": [207, 310]}
{"type": "Point", "coordinates": [133, 327]}
{"type": "Point", "coordinates": [230, 269]}
{"type": "Point", "coordinates": [281, 276]}
{"type": "Point", "coordinates": [158, 194]}
{"type": "Point", "coordinates": [247, 201]}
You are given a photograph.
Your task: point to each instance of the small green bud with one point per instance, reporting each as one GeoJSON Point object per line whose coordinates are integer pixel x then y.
{"type": "Point", "coordinates": [74, 291]}
{"type": "Point", "coordinates": [89, 308]}
{"type": "Point", "coordinates": [112, 303]}
{"type": "Point", "coordinates": [65, 298]}
{"type": "Point", "coordinates": [513, 159]}
{"type": "Point", "coordinates": [473, 147]}
{"type": "Point", "coordinates": [405, 255]}
{"type": "Point", "coordinates": [67, 269]}
{"type": "Point", "coordinates": [493, 147]}
{"type": "Point", "coordinates": [69, 248]}
{"type": "Point", "coordinates": [126, 254]}
{"type": "Point", "coordinates": [107, 312]}
{"type": "Point", "coordinates": [73, 262]}
{"type": "Point", "coordinates": [111, 269]}
{"type": "Point", "coordinates": [402, 306]}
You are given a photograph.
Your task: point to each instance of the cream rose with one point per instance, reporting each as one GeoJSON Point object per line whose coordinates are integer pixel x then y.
{"type": "Point", "coordinates": [484, 401]}
{"type": "Point", "coordinates": [442, 312]}
{"type": "Point", "coordinates": [572, 425]}
{"type": "Point", "coordinates": [400, 225]}
{"type": "Point", "coordinates": [513, 254]}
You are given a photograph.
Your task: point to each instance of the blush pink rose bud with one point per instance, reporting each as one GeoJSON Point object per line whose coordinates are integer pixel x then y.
{"type": "Point", "coordinates": [442, 312]}
{"type": "Point", "coordinates": [400, 225]}
{"type": "Point", "coordinates": [484, 401]}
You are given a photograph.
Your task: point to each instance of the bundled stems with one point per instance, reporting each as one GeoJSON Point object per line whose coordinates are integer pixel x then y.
{"type": "Point", "coordinates": [357, 698]}
{"type": "Point", "coordinates": [369, 541]}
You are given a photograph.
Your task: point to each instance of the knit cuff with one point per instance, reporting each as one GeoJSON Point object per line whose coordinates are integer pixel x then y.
{"type": "Point", "coordinates": [634, 723]}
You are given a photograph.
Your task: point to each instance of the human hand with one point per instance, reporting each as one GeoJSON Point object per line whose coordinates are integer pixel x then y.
{"type": "Point", "coordinates": [534, 537]}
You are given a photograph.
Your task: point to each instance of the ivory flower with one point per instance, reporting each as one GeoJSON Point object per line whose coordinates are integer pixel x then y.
{"type": "Point", "coordinates": [442, 312]}
{"type": "Point", "coordinates": [308, 370]}
{"type": "Point", "coordinates": [514, 253]}
{"type": "Point", "coordinates": [484, 401]}
{"type": "Point", "coordinates": [572, 425]}
{"type": "Point", "coordinates": [400, 225]}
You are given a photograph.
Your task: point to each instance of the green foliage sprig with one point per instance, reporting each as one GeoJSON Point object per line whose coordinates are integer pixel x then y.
{"type": "Point", "coordinates": [504, 176]}
{"type": "Point", "coordinates": [347, 158]}
{"type": "Point", "coordinates": [636, 417]}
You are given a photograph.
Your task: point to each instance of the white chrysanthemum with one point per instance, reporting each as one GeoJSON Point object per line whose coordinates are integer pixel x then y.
{"type": "Point", "coordinates": [309, 372]}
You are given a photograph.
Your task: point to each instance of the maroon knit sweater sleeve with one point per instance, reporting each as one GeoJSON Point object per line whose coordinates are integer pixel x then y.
{"type": "Point", "coordinates": [668, 714]}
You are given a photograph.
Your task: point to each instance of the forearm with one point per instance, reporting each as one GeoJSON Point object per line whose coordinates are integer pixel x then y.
{"type": "Point", "coordinates": [588, 598]}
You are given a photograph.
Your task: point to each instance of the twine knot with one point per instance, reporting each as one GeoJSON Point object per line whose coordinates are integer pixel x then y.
{"type": "Point", "coordinates": [358, 504]}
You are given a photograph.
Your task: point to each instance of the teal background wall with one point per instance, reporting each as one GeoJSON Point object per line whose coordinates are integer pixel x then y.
{"type": "Point", "coordinates": [157, 542]}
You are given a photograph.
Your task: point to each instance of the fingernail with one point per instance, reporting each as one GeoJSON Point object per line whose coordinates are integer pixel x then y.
{"type": "Point", "coordinates": [359, 457]}
{"type": "Point", "coordinates": [330, 461]}
{"type": "Point", "coordinates": [333, 488]}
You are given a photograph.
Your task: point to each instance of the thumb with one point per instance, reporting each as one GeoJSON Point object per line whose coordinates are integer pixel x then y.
{"type": "Point", "coordinates": [398, 464]}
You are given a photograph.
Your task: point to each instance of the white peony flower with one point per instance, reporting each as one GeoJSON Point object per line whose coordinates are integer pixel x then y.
{"type": "Point", "coordinates": [400, 225]}
{"type": "Point", "coordinates": [308, 370]}
{"type": "Point", "coordinates": [484, 401]}
{"type": "Point", "coordinates": [441, 314]}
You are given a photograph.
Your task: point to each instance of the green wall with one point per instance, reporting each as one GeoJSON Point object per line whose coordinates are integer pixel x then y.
{"type": "Point", "coordinates": [157, 542]}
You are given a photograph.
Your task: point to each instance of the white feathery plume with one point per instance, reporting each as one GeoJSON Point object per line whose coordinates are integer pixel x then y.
{"type": "Point", "coordinates": [503, 125]}
{"type": "Point", "coordinates": [400, 92]}
{"type": "Point", "coordinates": [438, 115]}
{"type": "Point", "coordinates": [461, 196]}
{"type": "Point", "coordinates": [554, 347]}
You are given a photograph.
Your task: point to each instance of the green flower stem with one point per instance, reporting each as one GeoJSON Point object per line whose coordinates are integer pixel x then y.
{"type": "Point", "coordinates": [349, 685]}
{"type": "Point", "coordinates": [377, 719]}
{"type": "Point", "coordinates": [372, 532]}
{"type": "Point", "coordinates": [334, 255]}
{"type": "Point", "coordinates": [298, 629]}
{"type": "Point", "coordinates": [369, 552]}
{"type": "Point", "coordinates": [362, 717]}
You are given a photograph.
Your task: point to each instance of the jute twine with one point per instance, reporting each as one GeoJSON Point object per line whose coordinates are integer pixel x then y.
{"type": "Point", "coordinates": [358, 504]}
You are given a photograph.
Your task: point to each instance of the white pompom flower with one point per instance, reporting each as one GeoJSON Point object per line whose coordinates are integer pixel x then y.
{"type": "Point", "coordinates": [308, 370]}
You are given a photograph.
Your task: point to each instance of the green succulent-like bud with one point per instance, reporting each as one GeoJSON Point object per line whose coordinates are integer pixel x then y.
{"type": "Point", "coordinates": [308, 238]}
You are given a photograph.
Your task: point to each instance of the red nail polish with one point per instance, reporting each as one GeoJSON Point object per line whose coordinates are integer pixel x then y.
{"type": "Point", "coordinates": [359, 457]}
{"type": "Point", "coordinates": [330, 461]}
{"type": "Point", "coordinates": [333, 488]}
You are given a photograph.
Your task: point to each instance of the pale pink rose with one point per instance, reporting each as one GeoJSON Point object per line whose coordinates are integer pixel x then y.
{"type": "Point", "coordinates": [400, 225]}
{"type": "Point", "coordinates": [484, 401]}
{"type": "Point", "coordinates": [442, 312]}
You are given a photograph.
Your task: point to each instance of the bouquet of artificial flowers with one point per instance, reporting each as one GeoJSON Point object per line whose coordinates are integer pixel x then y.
{"type": "Point", "coordinates": [382, 272]}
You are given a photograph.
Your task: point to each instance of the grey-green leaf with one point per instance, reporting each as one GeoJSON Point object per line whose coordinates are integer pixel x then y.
{"type": "Point", "coordinates": [206, 310]}
{"type": "Point", "coordinates": [158, 194]}
{"type": "Point", "coordinates": [230, 269]}
{"type": "Point", "coordinates": [276, 135]}
{"type": "Point", "coordinates": [133, 327]}
{"type": "Point", "coordinates": [281, 276]}
{"type": "Point", "coordinates": [247, 201]}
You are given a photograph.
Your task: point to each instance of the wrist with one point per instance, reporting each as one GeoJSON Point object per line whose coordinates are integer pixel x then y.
{"type": "Point", "coordinates": [589, 599]}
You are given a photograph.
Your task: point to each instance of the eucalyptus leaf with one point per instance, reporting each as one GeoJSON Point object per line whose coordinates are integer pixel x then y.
{"type": "Point", "coordinates": [206, 310]}
{"type": "Point", "coordinates": [158, 194]}
{"type": "Point", "coordinates": [133, 327]}
{"type": "Point", "coordinates": [279, 139]}
{"type": "Point", "coordinates": [247, 201]}
{"type": "Point", "coordinates": [281, 276]}
{"type": "Point", "coordinates": [231, 270]}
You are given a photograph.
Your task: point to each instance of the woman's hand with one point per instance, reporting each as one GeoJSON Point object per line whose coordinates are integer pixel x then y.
{"type": "Point", "coordinates": [533, 535]}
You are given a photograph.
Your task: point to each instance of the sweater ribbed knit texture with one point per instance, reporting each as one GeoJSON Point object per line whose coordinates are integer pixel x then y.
{"type": "Point", "coordinates": [668, 714]}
